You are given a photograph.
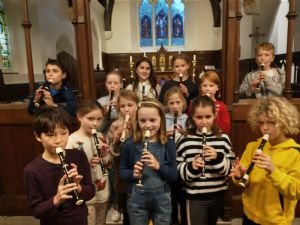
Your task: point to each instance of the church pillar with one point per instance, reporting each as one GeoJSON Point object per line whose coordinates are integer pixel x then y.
{"type": "Point", "coordinates": [291, 16]}
{"type": "Point", "coordinates": [83, 42]}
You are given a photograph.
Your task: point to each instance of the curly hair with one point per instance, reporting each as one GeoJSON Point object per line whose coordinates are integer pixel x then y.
{"type": "Point", "coordinates": [280, 110]}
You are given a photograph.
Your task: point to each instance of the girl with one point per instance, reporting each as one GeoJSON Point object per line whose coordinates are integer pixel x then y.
{"type": "Point", "coordinates": [127, 105]}
{"type": "Point", "coordinates": [54, 92]}
{"type": "Point", "coordinates": [210, 85]}
{"type": "Point", "coordinates": [156, 165]}
{"type": "Point", "coordinates": [90, 114]}
{"type": "Point", "coordinates": [175, 102]}
{"type": "Point", "coordinates": [204, 169]}
{"type": "Point", "coordinates": [276, 169]}
{"type": "Point", "coordinates": [180, 66]}
{"type": "Point", "coordinates": [144, 84]}
{"type": "Point", "coordinates": [48, 193]}
{"type": "Point", "coordinates": [113, 84]}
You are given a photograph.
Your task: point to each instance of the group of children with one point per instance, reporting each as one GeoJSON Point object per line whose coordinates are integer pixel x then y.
{"type": "Point", "coordinates": [150, 158]}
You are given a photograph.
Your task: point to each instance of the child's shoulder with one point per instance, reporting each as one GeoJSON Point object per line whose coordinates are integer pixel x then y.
{"type": "Point", "coordinates": [37, 162]}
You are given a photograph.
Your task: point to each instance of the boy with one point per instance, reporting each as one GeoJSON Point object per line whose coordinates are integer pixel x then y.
{"type": "Point", "coordinates": [50, 197]}
{"type": "Point", "coordinates": [266, 81]}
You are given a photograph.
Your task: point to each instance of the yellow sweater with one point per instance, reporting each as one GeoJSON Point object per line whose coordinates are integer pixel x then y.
{"type": "Point", "coordinates": [270, 199]}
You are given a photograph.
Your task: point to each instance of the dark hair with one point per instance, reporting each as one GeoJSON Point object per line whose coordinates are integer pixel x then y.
{"type": "Point", "coordinates": [180, 56]}
{"type": "Point", "coordinates": [47, 118]}
{"type": "Point", "coordinates": [151, 78]}
{"type": "Point", "coordinates": [87, 106]}
{"type": "Point", "coordinates": [57, 63]}
{"type": "Point", "coordinates": [201, 101]}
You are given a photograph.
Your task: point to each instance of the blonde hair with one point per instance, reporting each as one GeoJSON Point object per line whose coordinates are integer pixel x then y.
{"type": "Point", "coordinates": [129, 95]}
{"type": "Point", "coordinates": [172, 91]}
{"type": "Point", "coordinates": [161, 135]}
{"type": "Point", "coordinates": [265, 46]}
{"type": "Point", "coordinates": [283, 113]}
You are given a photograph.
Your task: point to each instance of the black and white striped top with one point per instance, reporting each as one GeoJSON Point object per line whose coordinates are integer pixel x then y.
{"type": "Point", "coordinates": [216, 170]}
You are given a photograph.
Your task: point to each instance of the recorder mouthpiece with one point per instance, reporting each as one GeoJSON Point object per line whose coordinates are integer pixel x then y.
{"type": "Point", "coordinates": [147, 133]}
{"type": "Point", "coordinates": [204, 130]}
{"type": "Point", "coordinates": [59, 150]}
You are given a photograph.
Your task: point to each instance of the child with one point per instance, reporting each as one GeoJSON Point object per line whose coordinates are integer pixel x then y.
{"type": "Point", "coordinates": [54, 92]}
{"type": "Point", "coordinates": [144, 84]}
{"type": "Point", "coordinates": [204, 175]}
{"type": "Point", "coordinates": [90, 114]}
{"type": "Point", "coordinates": [180, 64]}
{"type": "Point", "coordinates": [272, 190]}
{"type": "Point", "coordinates": [266, 81]}
{"type": "Point", "coordinates": [156, 165]}
{"type": "Point", "coordinates": [48, 193]}
{"type": "Point", "coordinates": [175, 102]}
{"type": "Point", "coordinates": [210, 85]}
{"type": "Point", "coordinates": [113, 83]}
{"type": "Point", "coordinates": [127, 105]}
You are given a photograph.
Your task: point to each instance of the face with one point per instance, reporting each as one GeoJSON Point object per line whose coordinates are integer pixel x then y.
{"type": "Point", "coordinates": [113, 83]}
{"type": "Point", "coordinates": [149, 119]}
{"type": "Point", "coordinates": [89, 121]}
{"type": "Point", "coordinates": [54, 75]}
{"type": "Point", "coordinates": [175, 103]}
{"type": "Point", "coordinates": [267, 126]}
{"type": "Point", "coordinates": [180, 66]}
{"type": "Point", "coordinates": [129, 107]}
{"type": "Point", "coordinates": [143, 71]}
{"type": "Point", "coordinates": [203, 117]}
{"type": "Point", "coordinates": [209, 88]}
{"type": "Point", "coordinates": [51, 140]}
{"type": "Point", "coordinates": [264, 56]}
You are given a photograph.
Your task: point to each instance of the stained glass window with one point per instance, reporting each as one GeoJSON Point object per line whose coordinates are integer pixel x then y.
{"type": "Point", "coordinates": [145, 16]}
{"type": "Point", "coordinates": [161, 23]}
{"type": "Point", "coordinates": [4, 41]}
{"type": "Point", "coordinates": [177, 12]}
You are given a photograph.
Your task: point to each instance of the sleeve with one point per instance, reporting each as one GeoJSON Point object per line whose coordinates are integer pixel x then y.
{"type": "Point", "coordinates": [224, 159]}
{"type": "Point", "coordinates": [288, 183]}
{"type": "Point", "coordinates": [245, 89]}
{"type": "Point", "coordinates": [88, 188]}
{"type": "Point", "coordinates": [71, 102]}
{"type": "Point", "coordinates": [126, 164]}
{"type": "Point", "coordinates": [41, 208]}
{"type": "Point", "coordinates": [167, 170]}
{"type": "Point", "coordinates": [31, 106]}
{"type": "Point", "coordinates": [158, 89]}
{"type": "Point", "coordinates": [184, 164]}
{"type": "Point", "coordinates": [275, 87]}
{"type": "Point", "coordinates": [129, 87]}
{"type": "Point", "coordinates": [223, 118]}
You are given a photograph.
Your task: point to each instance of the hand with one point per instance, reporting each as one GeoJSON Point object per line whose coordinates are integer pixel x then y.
{"type": "Point", "coordinates": [263, 161]}
{"type": "Point", "coordinates": [48, 98]}
{"type": "Point", "coordinates": [197, 162]}
{"type": "Point", "coordinates": [184, 90]}
{"type": "Point", "coordinates": [209, 152]}
{"type": "Point", "coordinates": [169, 133]}
{"type": "Point", "coordinates": [149, 160]}
{"type": "Point", "coordinates": [180, 129]}
{"type": "Point", "coordinates": [94, 161]}
{"type": "Point", "coordinates": [237, 170]}
{"type": "Point", "coordinates": [76, 178]}
{"type": "Point", "coordinates": [63, 191]}
{"type": "Point", "coordinates": [137, 169]}
{"type": "Point", "coordinates": [38, 94]}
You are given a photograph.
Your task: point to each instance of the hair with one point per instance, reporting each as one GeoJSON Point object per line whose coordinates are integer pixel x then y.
{"type": "Point", "coordinates": [180, 56]}
{"type": "Point", "coordinates": [201, 101]}
{"type": "Point", "coordinates": [129, 95]}
{"type": "Point", "coordinates": [151, 78]}
{"type": "Point", "coordinates": [151, 103]}
{"type": "Point", "coordinates": [281, 111]}
{"type": "Point", "coordinates": [87, 106]}
{"type": "Point", "coordinates": [212, 76]}
{"type": "Point", "coordinates": [265, 46]}
{"type": "Point", "coordinates": [172, 91]}
{"type": "Point", "coordinates": [115, 72]}
{"type": "Point", "coordinates": [47, 118]}
{"type": "Point", "coordinates": [57, 63]}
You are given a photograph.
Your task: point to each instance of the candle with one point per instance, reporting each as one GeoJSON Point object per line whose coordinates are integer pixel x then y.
{"type": "Point", "coordinates": [194, 57]}
{"type": "Point", "coordinates": [144, 54]}
{"type": "Point", "coordinates": [130, 58]}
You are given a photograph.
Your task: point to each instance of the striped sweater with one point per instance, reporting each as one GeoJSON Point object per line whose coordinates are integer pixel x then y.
{"type": "Point", "coordinates": [216, 170]}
